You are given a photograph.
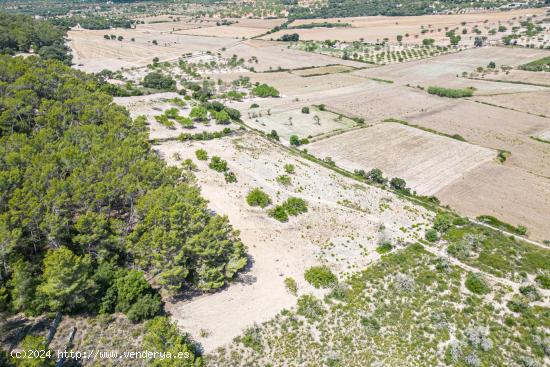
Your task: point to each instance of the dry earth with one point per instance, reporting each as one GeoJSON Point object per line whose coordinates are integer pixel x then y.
{"type": "Point", "coordinates": [341, 228]}
{"type": "Point", "coordinates": [530, 102]}
{"type": "Point", "coordinates": [373, 29]}
{"type": "Point", "coordinates": [428, 162]}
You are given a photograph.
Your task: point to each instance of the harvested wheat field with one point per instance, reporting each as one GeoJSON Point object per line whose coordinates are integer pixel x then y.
{"type": "Point", "coordinates": [374, 29]}
{"type": "Point", "coordinates": [530, 102]}
{"type": "Point", "coordinates": [274, 56]}
{"type": "Point", "coordinates": [509, 193]}
{"type": "Point", "coordinates": [520, 76]}
{"type": "Point", "coordinates": [333, 69]}
{"type": "Point", "coordinates": [428, 162]}
{"type": "Point", "coordinates": [444, 68]}
{"type": "Point", "coordinates": [341, 228]}
{"type": "Point", "coordinates": [495, 128]}
{"type": "Point", "coordinates": [92, 52]}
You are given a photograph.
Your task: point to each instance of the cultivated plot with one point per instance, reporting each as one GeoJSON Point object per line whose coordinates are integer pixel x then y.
{"type": "Point", "coordinates": [509, 193]}
{"type": "Point", "coordinates": [273, 56]}
{"type": "Point", "coordinates": [375, 29]}
{"type": "Point", "coordinates": [426, 161]}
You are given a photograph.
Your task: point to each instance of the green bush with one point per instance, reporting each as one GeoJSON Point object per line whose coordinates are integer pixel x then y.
{"type": "Point", "coordinates": [442, 222]}
{"type": "Point", "coordinates": [273, 135]}
{"type": "Point", "coordinates": [283, 180]}
{"type": "Point", "coordinates": [375, 175]}
{"type": "Point", "coordinates": [295, 140]}
{"type": "Point", "coordinates": [543, 281]}
{"type": "Point", "coordinates": [291, 286]}
{"type": "Point", "coordinates": [431, 235]}
{"type": "Point", "coordinates": [305, 109]}
{"type": "Point", "coordinates": [201, 154]}
{"type": "Point", "coordinates": [257, 197]}
{"type": "Point", "coordinates": [295, 206]}
{"type": "Point", "coordinates": [218, 164]}
{"type": "Point", "coordinates": [145, 308]}
{"type": "Point", "coordinates": [450, 92]}
{"type": "Point", "coordinates": [230, 177]}
{"type": "Point", "coordinates": [264, 90]}
{"type": "Point", "coordinates": [289, 168]}
{"type": "Point", "coordinates": [320, 277]}
{"type": "Point", "coordinates": [384, 247]}
{"type": "Point", "coordinates": [279, 213]}
{"type": "Point", "coordinates": [476, 284]}
{"type": "Point", "coordinates": [157, 80]}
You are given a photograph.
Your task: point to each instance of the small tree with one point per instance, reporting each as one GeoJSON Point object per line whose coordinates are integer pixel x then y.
{"type": "Point", "coordinates": [273, 135]}
{"type": "Point", "coordinates": [295, 140]}
{"type": "Point", "coordinates": [305, 109]}
{"type": "Point", "coordinates": [399, 184]}
{"type": "Point", "coordinates": [375, 175]}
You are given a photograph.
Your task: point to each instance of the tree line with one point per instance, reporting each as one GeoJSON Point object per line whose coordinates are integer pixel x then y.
{"type": "Point", "coordinates": [21, 33]}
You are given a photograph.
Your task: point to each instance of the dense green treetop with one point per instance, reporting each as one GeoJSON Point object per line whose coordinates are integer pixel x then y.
{"type": "Point", "coordinates": [21, 33]}
{"type": "Point", "coordinates": [82, 194]}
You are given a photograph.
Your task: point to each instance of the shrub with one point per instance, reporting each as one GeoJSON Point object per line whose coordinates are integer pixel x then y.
{"type": "Point", "coordinates": [289, 168]}
{"type": "Point", "coordinates": [339, 291]}
{"type": "Point", "coordinates": [476, 284]}
{"type": "Point", "coordinates": [450, 92]}
{"type": "Point", "coordinates": [144, 308]}
{"type": "Point", "coordinates": [279, 213]}
{"type": "Point", "coordinates": [257, 197]}
{"type": "Point", "coordinates": [543, 281]}
{"type": "Point", "coordinates": [252, 338]}
{"type": "Point", "coordinates": [291, 285]}
{"type": "Point", "coordinates": [230, 177]}
{"type": "Point", "coordinates": [305, 109]}
{"type": "Point", "coordinates": [283, 180]}
{"type": "Point", "coordinates": [310, 307]}
{"type": "Point", "coordinates": [295, 140]}
{"type": "Point", "coordinates": [370, 323]}
{"type": "Point", "coordinates": [222, 117]}
{"type": "Point", "coordinates": [218, 164]}
{"type": "Point", "coordinates": [264, 90]}
{"type": "Point", "coordinates": [273, 135]}
{"type": "Point", "coordinates": [431, 235]}
{"type": "Point", "coordinates": [375, 175]}
{"type": "Point", "coordinates": [442, 222]}
{"type": "Point", "coordinates": [531, 292]}
{"type": "Point", "coordinates": [295, 206]}
{"type": "Point", "coordinates": [399, 184]}
{"type": "Point", "coordinates": [320, 277]}
{"type": "Point", "coordinates": [157, 80]}
{"type": "Point", "coordinates": [254, 105]}
{"type": "Point", "coordinates": [428, 41]}
{"type": "Point", "coordinates": [199, 113]}
{"type": "Point", "coordinates": [384, 247]}
{"type": "Point", "coordinates": [293, 37]}
{"type": "Point", "coordinates": [201, 154]}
